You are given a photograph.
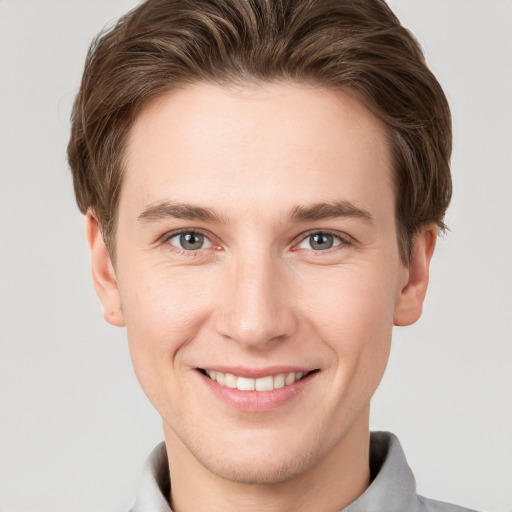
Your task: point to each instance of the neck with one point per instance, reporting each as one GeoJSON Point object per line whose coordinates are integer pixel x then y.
{"type": "Point", "coordinates": [329, 485]}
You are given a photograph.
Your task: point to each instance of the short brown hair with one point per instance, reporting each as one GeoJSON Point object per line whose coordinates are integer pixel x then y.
{"type": "Point", "coordinates": [358, 46]}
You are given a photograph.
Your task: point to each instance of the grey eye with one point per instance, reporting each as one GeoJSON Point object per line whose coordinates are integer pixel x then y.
{"type": "Point", "coordinates": [190, 241]}
{"type": "Point", "coordinates": [320, 241]}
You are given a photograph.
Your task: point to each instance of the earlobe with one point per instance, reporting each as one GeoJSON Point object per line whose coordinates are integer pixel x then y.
{"type": "Point", "coordinates": [410, 298]}
{"type": "Point", "coordinates": [103, 273]}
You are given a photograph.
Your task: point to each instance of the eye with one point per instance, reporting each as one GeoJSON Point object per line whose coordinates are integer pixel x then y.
{"type": "Point", "coordinates": [320, 241]}
{"type": "Point", "coordinates": [189, 241]}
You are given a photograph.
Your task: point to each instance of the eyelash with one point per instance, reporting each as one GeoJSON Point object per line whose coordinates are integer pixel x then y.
{"type": "Point", "coordinates": [168, 236]}
{"type": "Point", "coordinates": [343, 239]}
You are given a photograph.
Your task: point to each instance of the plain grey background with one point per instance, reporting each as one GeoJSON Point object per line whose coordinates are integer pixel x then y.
{"type": "Point", "coordinates": [75, 427]}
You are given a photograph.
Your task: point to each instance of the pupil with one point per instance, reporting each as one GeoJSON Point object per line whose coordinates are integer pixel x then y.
{"type": "Point", "coordinates": [321, 241]}
{"type": "Point", "coordinates": [191, 241]}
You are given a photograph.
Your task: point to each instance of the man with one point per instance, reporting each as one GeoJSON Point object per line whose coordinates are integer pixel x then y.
{"type": "Point", "coordinates": [263, 182]}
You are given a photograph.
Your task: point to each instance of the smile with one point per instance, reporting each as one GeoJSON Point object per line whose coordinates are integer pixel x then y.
{"type": "Point", "coordinates": [266, 383]}
{"type": "Point", "coordinates": [260, 390]}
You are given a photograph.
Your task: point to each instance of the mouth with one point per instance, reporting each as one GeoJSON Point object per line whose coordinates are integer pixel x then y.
{"type": "Point", "coordinates": [263, 383]}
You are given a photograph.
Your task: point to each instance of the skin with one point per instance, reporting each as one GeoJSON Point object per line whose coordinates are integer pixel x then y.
{"type": "Point", "coordinates": [257, 293]}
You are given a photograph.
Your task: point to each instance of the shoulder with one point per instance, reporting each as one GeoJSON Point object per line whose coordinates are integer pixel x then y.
{"type": "Point", "coordinates": [393, 482]}
{"type": "Point", "coordinates": [428, 505]}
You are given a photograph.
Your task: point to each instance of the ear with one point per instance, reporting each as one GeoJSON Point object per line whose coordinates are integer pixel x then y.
{"type": "Point", "coordinates": [103, 273]}
{"type": "Point", "coordinates": [409, 303]}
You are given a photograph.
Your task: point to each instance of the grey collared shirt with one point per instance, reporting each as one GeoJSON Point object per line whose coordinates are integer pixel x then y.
{"type": "Point", "coordinates": [393, 488]}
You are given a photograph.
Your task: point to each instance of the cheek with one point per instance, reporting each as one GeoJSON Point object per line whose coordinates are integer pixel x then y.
{"type": "Point", "coordinates": [163, 301]}
{"type": "Point", "coordinates": [354, 318]}
{"type": "Point", "coordinates": [164, 309]}
{"type": "Point", "coordinates": [352, 299]}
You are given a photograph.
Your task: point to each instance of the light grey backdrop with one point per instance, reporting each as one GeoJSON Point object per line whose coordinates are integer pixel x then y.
{"type": "Point", "coordinates": [75, 428]}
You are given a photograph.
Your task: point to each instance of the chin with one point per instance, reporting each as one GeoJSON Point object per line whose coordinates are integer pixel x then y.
{"type": "Point", "coordinates": [253, 458]}
{"type": "Point", "coordinates": [257, 469]}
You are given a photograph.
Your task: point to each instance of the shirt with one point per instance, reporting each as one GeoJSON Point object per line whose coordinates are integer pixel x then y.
{"type": "Point", "coordinates": [392, 488]}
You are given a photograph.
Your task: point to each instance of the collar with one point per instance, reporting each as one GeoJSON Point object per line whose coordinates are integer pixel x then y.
{"type": "Point", "coordinates": [393, 488]}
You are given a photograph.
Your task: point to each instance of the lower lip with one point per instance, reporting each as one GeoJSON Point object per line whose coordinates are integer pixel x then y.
{"type": "Point", "coordinates": [257, 401]}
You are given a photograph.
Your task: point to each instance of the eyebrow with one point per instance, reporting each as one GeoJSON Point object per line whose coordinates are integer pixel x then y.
{"type": "Point", "coordinates": [331, 210]}
{"type": "Point", "coordinates": [300, 213]}
{"type": "Point", "coordinates": [167, 209]}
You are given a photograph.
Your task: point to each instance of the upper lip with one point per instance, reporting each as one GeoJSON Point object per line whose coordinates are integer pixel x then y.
{"type": "Point", "coordinates": [255, 373]}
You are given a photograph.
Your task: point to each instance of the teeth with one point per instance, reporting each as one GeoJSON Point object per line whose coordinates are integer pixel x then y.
{"type": "Point", "coordinates": [229, 380]}
{"type": "Point", "coordinates": [289, 379]}
{"type": "Point", "coordinates": [244, 384]}
{"type": "Point", "coordinates": [279, 381]}
{"type": "Point", "coordinates": [262, 384]}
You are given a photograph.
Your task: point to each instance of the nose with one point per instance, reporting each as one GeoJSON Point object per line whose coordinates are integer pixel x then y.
{"type": "Point", "coordinates": [256, 306]}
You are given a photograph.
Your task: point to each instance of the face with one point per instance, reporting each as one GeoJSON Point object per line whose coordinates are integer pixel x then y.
{"type": "Point", "coordinates": [258, 272]}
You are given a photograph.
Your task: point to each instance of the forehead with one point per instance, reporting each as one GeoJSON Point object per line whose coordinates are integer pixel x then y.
{"type": "Point", "coordinates": [276, 144]}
